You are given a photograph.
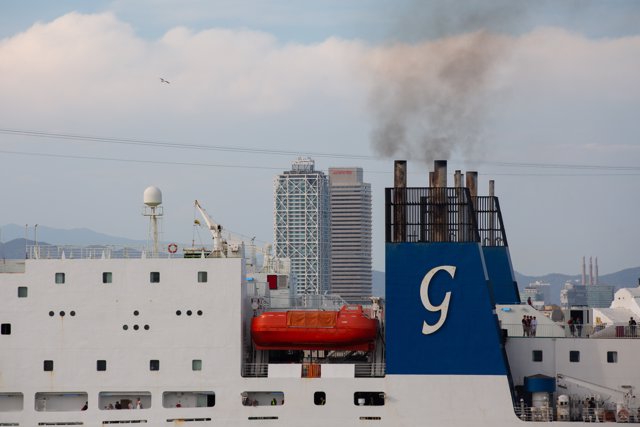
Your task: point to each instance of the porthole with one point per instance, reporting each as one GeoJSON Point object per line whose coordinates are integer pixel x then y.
{"type": "Point", "coordinates": [189, 313]}
{"type": "Point", "coordinates": [135, 313]}
{"type": "Point", "coordinates": [199, 312]}
{"type": "Point", "coordinates": [178, 312]}
{"type": "Point", "coordinates": [73, 313]}
{"type": "Point", "coordinates": [62, 313]}
{"type": "Point", "coordinates": [136, 327]}
{"type": "Point", "coordinates": [146, 327]}
{"type": "Point", "coordinates": [51, 313]}
{"type": "Point", "coordinates": [125, 327]}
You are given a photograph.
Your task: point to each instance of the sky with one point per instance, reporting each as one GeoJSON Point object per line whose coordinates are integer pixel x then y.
{"type": "Point", "coordinates": [542, 97]}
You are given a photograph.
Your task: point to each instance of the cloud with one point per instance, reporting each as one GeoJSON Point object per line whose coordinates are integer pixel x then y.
{"type": "Point", "coordinates": [92, 64]}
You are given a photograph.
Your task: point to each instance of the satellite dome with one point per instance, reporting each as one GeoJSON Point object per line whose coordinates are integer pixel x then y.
{"type": "Point", "coordinates": [152, 196]}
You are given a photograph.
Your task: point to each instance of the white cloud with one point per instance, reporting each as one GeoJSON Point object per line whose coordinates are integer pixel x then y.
{"type": "Point", "coordinates": [87, 64]}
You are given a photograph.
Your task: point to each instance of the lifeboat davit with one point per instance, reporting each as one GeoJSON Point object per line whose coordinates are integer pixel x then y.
{"type": "Point", "coordinates": [347, 329]}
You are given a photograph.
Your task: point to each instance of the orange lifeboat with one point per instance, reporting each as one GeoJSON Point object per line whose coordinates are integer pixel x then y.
{"type": "Point", "coordinates": [347, 329]}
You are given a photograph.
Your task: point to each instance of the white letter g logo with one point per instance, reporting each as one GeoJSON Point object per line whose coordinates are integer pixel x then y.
{"type": "Point", "coordinates": [443, 308]}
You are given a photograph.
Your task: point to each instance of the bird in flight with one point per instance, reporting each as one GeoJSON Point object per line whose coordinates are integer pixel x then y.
{"type": "Point", "coordinates": [164, 81]}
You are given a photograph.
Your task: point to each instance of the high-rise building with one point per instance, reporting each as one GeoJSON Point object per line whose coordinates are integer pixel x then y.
{"type": "Point", "coordinates": [350, 233]}
{"type": "Point", "coordinates": [301, 225]}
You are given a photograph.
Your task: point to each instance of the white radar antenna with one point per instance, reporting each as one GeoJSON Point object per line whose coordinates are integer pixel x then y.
{"type": "Point", "coordinates": [152, 200]}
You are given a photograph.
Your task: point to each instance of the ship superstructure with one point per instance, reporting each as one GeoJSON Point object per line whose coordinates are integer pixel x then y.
{"type": "Point", "coordinates": [104, 335]}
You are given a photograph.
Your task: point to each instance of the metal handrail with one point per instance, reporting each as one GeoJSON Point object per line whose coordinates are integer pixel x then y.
{"type": "Point", "coordinates": [370, 370]}
{"type": "Point", "coordinates": [255, 370]}
{"type": "Point", "coordinates": [564, 330]}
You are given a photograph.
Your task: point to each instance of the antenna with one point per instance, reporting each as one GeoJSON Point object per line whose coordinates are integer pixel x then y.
{"type": "Point", "coordinates": [152, 200]}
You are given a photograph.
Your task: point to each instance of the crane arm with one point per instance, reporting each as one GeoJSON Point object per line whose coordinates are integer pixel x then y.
{"type": "Point", "coordinates": [214, 228]}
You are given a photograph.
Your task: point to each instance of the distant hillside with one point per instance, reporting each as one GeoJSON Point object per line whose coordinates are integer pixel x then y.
{"type": "Point", "coordinates": [14, 249]}
{"type": "Point", "coordinates": [59, 236]}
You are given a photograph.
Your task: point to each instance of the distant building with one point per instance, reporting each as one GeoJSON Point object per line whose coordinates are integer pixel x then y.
{"type": "Point", "coordinates": [592, 296]}
{"type": "Point", "coordinates": [301, 225]}
{"type": "Point", "coordinates": [350, 234]}
{"type": "Point", "coordinates": [539, 292]}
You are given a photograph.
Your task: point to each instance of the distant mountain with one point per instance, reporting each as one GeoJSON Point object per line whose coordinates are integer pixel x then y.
{"type": "Point", "coordinates": [59, 236]}
{"type": "Point", "coordinates": [14, 249]}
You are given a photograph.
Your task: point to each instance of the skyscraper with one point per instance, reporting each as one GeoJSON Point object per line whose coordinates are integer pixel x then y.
{"type": "Point", "coordinates": [301, 225]}
{"type": "Point", "coordinates": [350, 233]}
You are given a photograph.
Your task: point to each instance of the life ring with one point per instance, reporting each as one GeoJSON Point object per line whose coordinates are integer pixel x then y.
{"type": "Point", "coordinates": [623, 415]}
{"type": "Point", "coordinates": [173, 248]}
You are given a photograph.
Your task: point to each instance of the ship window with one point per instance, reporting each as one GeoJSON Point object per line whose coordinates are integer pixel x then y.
{"type": "Point", "coordinates": [202, 277]}
{"type": "Point", "coordinates": [60, 402]}
{"type": "Point", "coordinates": [319, 398]}
{"type": "Point", "coordinates": [107, 277]}
{"type": "Point", "coordinates": [124, 400]}
{"type": "Point", "coordinates": [612, 357]}
{"type": "Point", "coordinates": [154, 277]}
{"type": "Point", "coordinates": [368, 398]}
{"type": "Point", "coordinates": [154, 365]}
{"type": "Point", "coordinates": [188, 399]}
{"type": "Point", "coordinates": [101, 365]}
{"type": "Point", "coordinates": [262, 398]}
{"type": "Point", "coordinates": [5, 329]}
{"type": "Point", "coordinates": [537, 355]}
{"type": "Point", "coordinates": [196, 365]}
{"type": "Point", "coordinates": [22, 291]}
{"type": "Point", "coordinates": [59, 278]}
{"type": "Point", "coordinates": [574, 356]}
{"type": "Point", "coordinates": [11, 402]}
{"type": "Point", "coordinates": [48, 365]}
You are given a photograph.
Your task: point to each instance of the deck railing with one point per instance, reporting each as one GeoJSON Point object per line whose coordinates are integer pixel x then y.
{"type": "Point", "coordinates": [370, 370]}
{"type": "Point", "coordinates": [256, 370]}
{"type": "Point", "coordinates": [540, 414]}
{"type": "Point", "coordinates": [564, 330]}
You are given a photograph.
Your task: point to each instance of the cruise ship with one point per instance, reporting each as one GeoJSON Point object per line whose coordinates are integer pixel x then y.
{"type": "Point", "coordinates": [97, 336]}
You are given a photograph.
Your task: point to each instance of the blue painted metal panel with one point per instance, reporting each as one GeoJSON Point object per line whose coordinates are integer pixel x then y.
{"type": "Point", "coordinates": [498, 262]}
{"type": "Point", "coordinates": [468, 342]}
{"type": "Point", "coordinates": [539, 383]}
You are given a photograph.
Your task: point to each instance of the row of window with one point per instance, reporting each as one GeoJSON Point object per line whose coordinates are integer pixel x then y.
{"type": "Point", "coordinates": [135, 327]}
{"type": "Point", "coordinates": [5, 328]}
{"type": "Point", "coordinates": [115, 400]}
{"type": "Point", "coordinates": [154, 364]}
{"type": "Point", "coordinates": [107, 277]}
{"type": "Point", "coordinates": [62, 313]}
{"type": "Point", "coordinates": [574, 356]}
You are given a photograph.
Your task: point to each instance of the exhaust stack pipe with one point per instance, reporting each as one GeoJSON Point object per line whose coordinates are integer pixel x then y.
{"type": "Point", "coordinates": [472, 185]}
{"type": "Point", "coordinates": [440, 173]}
{"type": "Point", "coordinates": [440, 205]}
{"type": "Point", "coordinates": [457, 178]}
{"type": "Point", "coordinates": [400, 200]}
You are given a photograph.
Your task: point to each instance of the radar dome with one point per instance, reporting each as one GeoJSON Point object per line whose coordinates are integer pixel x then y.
{"type": "Point", "coordinates": [152, 196]}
